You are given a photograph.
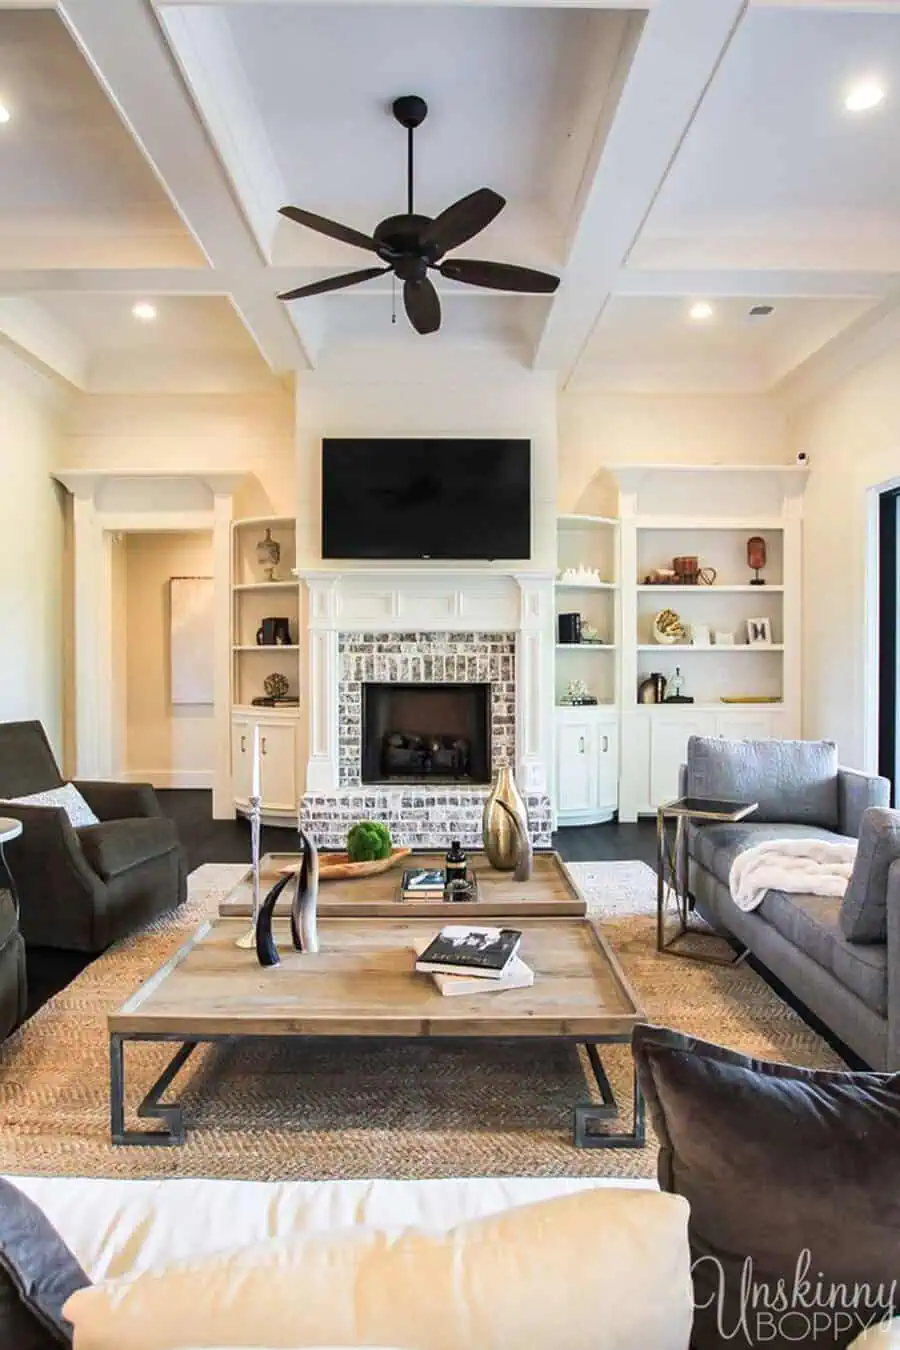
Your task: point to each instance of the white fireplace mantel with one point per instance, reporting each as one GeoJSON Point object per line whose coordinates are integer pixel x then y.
{"type": "Point", "coordinates": [432, 600]}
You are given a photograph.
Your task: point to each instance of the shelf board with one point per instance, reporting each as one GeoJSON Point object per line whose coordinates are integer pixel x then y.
{"type": "Point", "coordinates": [604, 705]}
{"type": "Point", "coordinates": [746, 588]}
{"type": "Point", "coordinates": [585, 646]}
{"type": "Point", "coordinates": [586, 586]}
{"type": "Point", "coordinates": [249, 522]}
{"type": "Point", "coordinates": [663, 648]}
{"type": "Point", "coordinates": [265, 585]}
{"type": "Point", "coordinates": [268, 647]}
{"type": "Point", "coordinates": [574, 521]}
{"type": "Point", "coordinates": [711, 707]}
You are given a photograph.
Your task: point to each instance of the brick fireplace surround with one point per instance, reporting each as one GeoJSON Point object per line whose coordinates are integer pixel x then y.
{"type": "Point", "coordinates": [458, 645]}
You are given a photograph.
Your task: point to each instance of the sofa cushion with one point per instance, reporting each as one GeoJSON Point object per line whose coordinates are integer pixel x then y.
{"type": "Point", "coordinates": [791, 1174]}
{"type": "Point", "coordinates": [115, 846]}
{"type": "Point", "coordinates": [864, 911]}
{"type": "Point", "coordinates": [474, 1286]}
{"type": "Point", "coordinates": [38, 1273]}
{"type": "Point", "coordinates": [68, 797]}
{"type": "Point", "coordinates": [812, 923]}
{"type": "Point", "coordinates": [795, 781]}
{"type": "Point", "coordinates": [716, 846]}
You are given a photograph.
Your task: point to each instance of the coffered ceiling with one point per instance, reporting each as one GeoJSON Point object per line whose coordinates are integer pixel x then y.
{"type": "Point", "coordinates": [654, 155]}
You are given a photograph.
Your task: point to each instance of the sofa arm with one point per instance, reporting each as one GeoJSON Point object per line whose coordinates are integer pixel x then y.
{"type": "Point", "coordinates": [856, 793]}
{"type": "Point", "coordinates": [49, 869]}
{"type": "Point", "coordinates": [120, 801]}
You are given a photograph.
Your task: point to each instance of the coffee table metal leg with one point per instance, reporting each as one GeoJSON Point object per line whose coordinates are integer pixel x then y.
{"type": "Point", "coordinates": [594, 1114]}
{"type": "Point", "coordinates": [151, 1107]}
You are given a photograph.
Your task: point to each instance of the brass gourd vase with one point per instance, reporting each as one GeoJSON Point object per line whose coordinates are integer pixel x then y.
{"type": "Point", "coordinates": [501, 835]}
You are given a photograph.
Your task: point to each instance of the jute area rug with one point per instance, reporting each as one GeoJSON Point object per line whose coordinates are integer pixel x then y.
{"type": "Point", "coordinates": [282, 1112]}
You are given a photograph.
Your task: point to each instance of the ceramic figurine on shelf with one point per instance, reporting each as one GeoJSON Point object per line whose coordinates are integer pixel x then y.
{"type": "Point", "coordinates": [590, 633]}
{"type": "Point", "coordinates": [577, 694]}
{"type": "Point", "coordinates": [268, 555]}
{"type": "Point", "coordinates": [674, 687]}
{"type": "Point", "coordinates": [581, 576]}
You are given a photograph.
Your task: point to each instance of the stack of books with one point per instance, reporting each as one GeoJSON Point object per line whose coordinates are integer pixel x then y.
{"type": "Point", "coordinates": [423, 883]}
{"type": "Point", "coordinates": [467, 959]}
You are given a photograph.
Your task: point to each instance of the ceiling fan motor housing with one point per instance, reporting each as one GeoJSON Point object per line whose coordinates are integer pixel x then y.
{"type": "Point", "coordinates": [400, 235]}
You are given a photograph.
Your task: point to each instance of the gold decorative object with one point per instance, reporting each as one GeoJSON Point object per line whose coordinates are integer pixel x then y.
{"type": "Point", "coordinates": [668, 628]}
{"type": "Point", "coordinates": [499, 835]}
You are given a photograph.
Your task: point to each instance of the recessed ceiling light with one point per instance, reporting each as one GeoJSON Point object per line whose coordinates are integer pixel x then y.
{"type": "Point", "coordinates": [700, 310]}
{"type": "Point", "coordinates": [863, 95]}
{"type": "Point", "coordinates": [144, 311]}
{"type": "Point", "coordinates": [5, 114]}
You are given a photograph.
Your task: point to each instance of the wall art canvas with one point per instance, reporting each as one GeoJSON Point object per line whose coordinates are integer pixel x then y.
{"type": "Point", "coordinates": [191, 639]}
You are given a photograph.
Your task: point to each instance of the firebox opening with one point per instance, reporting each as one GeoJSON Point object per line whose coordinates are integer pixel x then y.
{"type": "Point", "coordinates": [426, 733]}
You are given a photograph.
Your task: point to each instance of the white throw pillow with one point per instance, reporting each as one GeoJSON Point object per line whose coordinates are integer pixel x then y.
{"type": "Point", "coordinates": [884, 1336]}
{"type": "Point", "coordinates": [68, 797]}
{"type": "Point", "coordinates": [608, 1267]}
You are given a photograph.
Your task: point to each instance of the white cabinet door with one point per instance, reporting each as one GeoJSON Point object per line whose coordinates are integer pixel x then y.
{"type": "Point", "coordinates": [745, 726]}
{"type": "Point", "coordinates": [576, 767]}
{"type": "Point", "coordinates": [241, 748]}
{"type": "Point", "coordinates": [607, 755]}
{"type": "Point", "coordinates": [278, 761]}
{"type": "Point", "coordinates": [668, 750]}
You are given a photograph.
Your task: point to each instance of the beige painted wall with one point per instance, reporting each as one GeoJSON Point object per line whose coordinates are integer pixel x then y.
{"type": "Point", "coordinates": [170, 746]}
{"type": "Point", "coordinates": [31, 543]}
{"type": "Point", "coordinates": [247, 430]}
{"type": "Point", "coordinates": [852, 435]}
{"type": "Point", "coordinates": [597, 430]}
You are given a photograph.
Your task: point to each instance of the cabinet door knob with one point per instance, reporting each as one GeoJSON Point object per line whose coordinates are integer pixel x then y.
{"type": "Point", "coordinates": [263, 744]}
{"type": "Point", "coordinates": [605, 744]}
{"type": "Point", "coordinates": [581, 745]}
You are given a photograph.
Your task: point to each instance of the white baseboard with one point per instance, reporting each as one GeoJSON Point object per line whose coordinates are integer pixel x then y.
{"type": "Point", "coordinates": [170, 778]}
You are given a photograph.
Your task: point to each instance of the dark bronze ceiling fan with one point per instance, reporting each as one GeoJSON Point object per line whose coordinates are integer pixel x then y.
{"type": "Point", "coordinates": [412, 244]}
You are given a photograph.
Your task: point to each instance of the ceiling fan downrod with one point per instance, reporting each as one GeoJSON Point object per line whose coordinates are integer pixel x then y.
{"type": "Point", "coordinates": [410, 111]}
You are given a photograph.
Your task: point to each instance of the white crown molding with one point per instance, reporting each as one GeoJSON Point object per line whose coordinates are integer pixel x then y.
{"type": "Point", "coordinates": [84, 483]}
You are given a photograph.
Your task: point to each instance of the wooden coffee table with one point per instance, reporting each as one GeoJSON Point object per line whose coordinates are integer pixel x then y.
{"type": "Point", "coordinates": [362, 985]}
{"type": "Point", "coordinates": [550, 890]}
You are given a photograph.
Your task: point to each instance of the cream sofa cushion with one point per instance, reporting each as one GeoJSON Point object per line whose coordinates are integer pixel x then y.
{"type": "Point", "coordinates": [550, 1276]}
{"type": "Point", "coordinates": [885, 1336]}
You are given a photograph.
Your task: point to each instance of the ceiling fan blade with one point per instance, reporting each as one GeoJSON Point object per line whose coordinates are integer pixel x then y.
{"type": "Point", "coordinates": [499, 276]}
{"type": "Point", "coordinates": [462, 220]}
{"type": "Point", "coordinates": [345, 233]}
{"type": "Point", "coordinates": [423, 306]}
{"type": "Point", "coordinates": [334, 283]}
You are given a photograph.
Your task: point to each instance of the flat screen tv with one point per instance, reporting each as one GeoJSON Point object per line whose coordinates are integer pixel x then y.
{"type": "Point", "coordinates": [414, 498]}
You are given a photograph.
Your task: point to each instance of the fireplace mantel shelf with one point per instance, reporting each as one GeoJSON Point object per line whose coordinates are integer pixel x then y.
{"type": "Point", "coordinates": [366, 575]}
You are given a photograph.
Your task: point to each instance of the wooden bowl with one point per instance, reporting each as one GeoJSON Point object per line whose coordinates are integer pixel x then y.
{"type": "Point", "coordinates": [338, 867]}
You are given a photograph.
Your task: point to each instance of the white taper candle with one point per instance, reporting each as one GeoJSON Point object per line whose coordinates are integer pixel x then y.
{"type": "Point", "coordinates": [254, 778]}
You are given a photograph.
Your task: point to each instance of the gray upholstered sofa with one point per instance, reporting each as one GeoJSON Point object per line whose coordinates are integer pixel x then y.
{"type": "Point", "coordinates": [852, 983]}
{"type": "Point", "coordinates": [81, 889]}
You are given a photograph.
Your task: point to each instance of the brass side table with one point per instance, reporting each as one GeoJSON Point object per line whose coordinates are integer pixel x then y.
{"type": "Point", "coordinates": [671, 870]}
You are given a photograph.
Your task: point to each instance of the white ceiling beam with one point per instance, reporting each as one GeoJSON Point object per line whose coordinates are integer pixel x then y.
{"type": "Point", "coordinates": [125, 46]}
{"type": "Point", "coordinates": [679, 51]}
{"type": "Point", "coordinates": [778, 283]}
{"type": "Point", "coordinates": [115, 280]}
{"type": "Point", "coordinates": [42, 342]}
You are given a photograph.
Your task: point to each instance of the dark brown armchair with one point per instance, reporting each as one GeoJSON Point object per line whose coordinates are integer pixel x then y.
{"type": "Point", "coordinates": [81, 889]}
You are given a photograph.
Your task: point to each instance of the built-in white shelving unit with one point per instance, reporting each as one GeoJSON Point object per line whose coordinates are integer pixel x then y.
{"type": "Point", "coordinates": [253, 599]}
{"type": "Point", "coordinates": [667, 511]}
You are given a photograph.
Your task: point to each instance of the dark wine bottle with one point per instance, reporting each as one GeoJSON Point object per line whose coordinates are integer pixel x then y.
{"type": "Point", "coordinates": [454, 863]}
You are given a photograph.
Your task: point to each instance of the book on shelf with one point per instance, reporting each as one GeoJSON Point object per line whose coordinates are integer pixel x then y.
{"type": "Point", "coordinates": [517, 975]}
{"type": "Point", "coordinates": [460, 949]}
{"type": "Point", "coordinates": [427, 882]}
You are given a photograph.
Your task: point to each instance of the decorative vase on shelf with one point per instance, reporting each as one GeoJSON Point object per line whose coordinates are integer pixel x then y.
{"type": "Point", "coordinates": [268, 555]}
{"type": "Point", "coordinates": [500, 835]}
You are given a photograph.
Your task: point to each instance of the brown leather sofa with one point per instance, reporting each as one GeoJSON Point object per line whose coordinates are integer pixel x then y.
{"type": "Point", "coordinates": [81, 889]}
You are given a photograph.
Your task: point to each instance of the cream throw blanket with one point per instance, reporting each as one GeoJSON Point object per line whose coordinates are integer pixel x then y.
{"type": "Point", "coordinates": [799, 866]}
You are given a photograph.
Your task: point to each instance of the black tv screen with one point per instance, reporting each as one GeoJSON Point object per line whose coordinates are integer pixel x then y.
{"type": "Point", "coordinates": [417, 498]}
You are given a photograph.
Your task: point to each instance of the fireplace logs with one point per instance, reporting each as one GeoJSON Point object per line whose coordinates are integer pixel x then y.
{"type": "Point", "coordinates": [406, 754]}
